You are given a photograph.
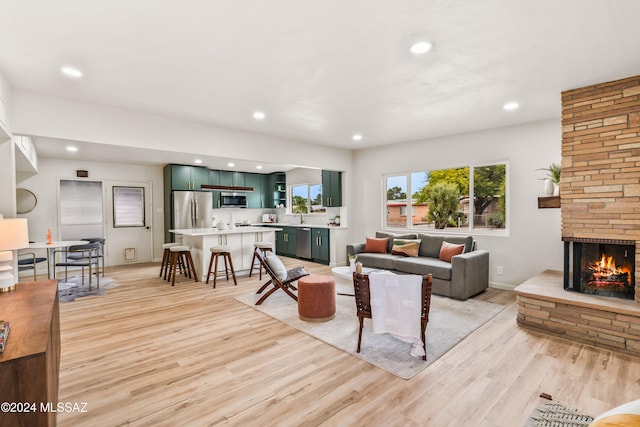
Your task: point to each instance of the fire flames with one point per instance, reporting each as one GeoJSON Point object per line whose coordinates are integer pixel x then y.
{"type": "Point", "coordinates": [605, 270]}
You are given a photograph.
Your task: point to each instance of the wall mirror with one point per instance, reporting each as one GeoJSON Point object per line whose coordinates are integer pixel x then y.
{"type": "Point", "coordinates": [26, 200]}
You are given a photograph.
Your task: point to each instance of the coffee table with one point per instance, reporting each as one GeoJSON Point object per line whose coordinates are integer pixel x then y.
{"type": "Point", "coordinates": [344, 277]}
{"type": "Point", "coordinates": [345, 272]}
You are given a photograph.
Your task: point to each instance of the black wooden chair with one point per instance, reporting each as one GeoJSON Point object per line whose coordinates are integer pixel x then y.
{"type": "Point", "coordinates": [276, 281]}
{"type": "Point", "coordinates": [363, 304]}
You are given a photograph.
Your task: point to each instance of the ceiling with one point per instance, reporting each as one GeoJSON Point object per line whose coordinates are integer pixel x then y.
{"type": "Point", "coordinates": [323, 70]}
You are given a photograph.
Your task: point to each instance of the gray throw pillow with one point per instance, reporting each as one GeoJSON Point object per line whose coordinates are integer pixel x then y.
{"type": "Point", "coordinates": [277, 266]}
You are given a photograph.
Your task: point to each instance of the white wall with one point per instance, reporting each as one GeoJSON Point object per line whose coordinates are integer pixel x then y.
{"type": "Point", "coordinates": [7, 154]}
{"type": "Point", "coordinates": [534, 240]}
{"type": "Point", "coordinates": [5, 107]}
{"type": "Point", "coordinates": [44, 186]}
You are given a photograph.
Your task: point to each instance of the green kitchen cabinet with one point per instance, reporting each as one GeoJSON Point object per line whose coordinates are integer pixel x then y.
{"type": "Point", "coordinates": [183, 177]}
{"type": "Point", "coordinates": [286, 241]}
{"type": "Point", "coordinates": [226, 178]}
{"type": "Point", "coordinates": [331, 188]}
{"type": "Point", "coordinates": [256, 198]}
{"type": "Point", "coordinates": [277, 193]}
{"type": "Point", "coordinates": [320, 245]}
{"type": "Point", "coordinates": [232, 178]}
{"type": "Point", "coordinates": [214, 177]}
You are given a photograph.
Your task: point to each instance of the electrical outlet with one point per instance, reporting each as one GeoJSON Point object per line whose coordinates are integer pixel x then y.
{"type": "Point", "coordinates": [499, 270]}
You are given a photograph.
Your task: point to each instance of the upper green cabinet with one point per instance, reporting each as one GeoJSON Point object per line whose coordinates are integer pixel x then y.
{"type": "Point", "coordinates": [268, 190]}
{"type": "Point", "coordinates": [331, 188]}
{"type": "Point", "coordinates": [276, 190]}
{"type": "Point", "coordinates": [256, 198]}
{"type": "Point", "coordinates": [184, 177]}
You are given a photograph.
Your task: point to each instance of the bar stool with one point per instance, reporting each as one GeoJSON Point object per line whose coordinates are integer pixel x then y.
{"type": "Point", "coordinates": [181, 254]}
{"type": "Point", "coordinates": [225, 252]}
{"type": "Point", "coordinates": [166, 258]}
{"type": "Point", "coordinates": [264, 247]}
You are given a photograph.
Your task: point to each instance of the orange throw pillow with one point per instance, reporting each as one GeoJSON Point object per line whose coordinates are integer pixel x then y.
{"type": "Point", "coordinates": [374, 245]}
{"type": "Point", "coordinates": [449, 250]}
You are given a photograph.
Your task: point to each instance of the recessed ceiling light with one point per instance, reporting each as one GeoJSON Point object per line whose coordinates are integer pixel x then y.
{"type": "Point", "coordinates": [356, 137]}
{"type": "Point", "coordinates": [197, 161]}
{"type": "Point", "coordinates": [259, 167]}
{"type": "Point", "coordinates": [230, 164]}
{"type": "Point", "coordinates": [72, 149]}
{"type": "Point", "coordinates": [419, 48]}
{"type": "Point", "coordinates": [259, 115]}
{"type": "Point", "coordinates": [510, 106]}
{"type": "Point", "coordinates": [72, 72]}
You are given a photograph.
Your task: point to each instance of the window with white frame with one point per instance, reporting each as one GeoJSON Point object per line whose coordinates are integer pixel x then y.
{"type": "Point", "coordinates": [306, 199]}
{"type": "Point", "coordinates": [463, 198]}
{"type": "Point", "coordinates": [81, 212]}
{"type": "Point", "coordinates": [128, 207]}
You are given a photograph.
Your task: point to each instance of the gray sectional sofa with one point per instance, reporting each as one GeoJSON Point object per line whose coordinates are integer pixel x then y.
{"type": "Point", "coordinates": [466, 275]}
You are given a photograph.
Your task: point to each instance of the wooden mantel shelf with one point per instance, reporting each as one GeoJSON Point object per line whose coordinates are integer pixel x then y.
{"type": "Point", "coordinates": [545, 202]}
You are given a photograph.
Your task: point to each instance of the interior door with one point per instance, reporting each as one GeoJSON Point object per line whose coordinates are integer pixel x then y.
{"type": "Point", "coordinates": [129, 237]}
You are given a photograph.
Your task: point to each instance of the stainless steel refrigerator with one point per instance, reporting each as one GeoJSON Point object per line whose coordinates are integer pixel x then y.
{"type": "Point", "coordinates": [192, 209]}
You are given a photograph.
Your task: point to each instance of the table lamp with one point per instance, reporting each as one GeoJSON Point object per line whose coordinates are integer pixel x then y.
{"type": "Point", "coordinates": [14, 234]}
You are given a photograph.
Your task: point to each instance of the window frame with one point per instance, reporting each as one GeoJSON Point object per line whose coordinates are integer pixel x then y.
{"type": "Point", "coordinates": [310, 211]}
{"type": "Point", "coordinates": [114, 190]}
{"type": "Point", "coordinates": [470, 229]}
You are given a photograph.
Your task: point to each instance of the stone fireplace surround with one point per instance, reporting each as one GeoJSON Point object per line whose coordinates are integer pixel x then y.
{"type": "Point", "coordinates": [600, 199]}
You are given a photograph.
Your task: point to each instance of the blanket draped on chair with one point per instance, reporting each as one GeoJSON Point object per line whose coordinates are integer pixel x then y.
{"type": "Point", "coordinates": [396, 302]}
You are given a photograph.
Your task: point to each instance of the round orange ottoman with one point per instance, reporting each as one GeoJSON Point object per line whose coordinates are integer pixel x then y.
{"type": "Point", "coordinates": [316, 298]}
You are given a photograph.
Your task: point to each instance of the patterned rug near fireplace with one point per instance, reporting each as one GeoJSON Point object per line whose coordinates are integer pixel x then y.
{"type": "Point", "coordinates": [550, 413]}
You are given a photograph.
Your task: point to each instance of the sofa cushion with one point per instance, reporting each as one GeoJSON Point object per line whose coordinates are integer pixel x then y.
{"type": "Point", "coordinates": [376, 245]}
{"type": "Point", "coordinates": [405, 247]}
{"type": "Point", "coordinates": [449, 250]}
{"type": "Point", "coordinates": [431, 243]}
{"type": "Point", "coordinates": [382, 261]}
{"type": "Point", "coordinates": [439, 269]}
{"type": "Point", "coordinates": [391, 236]}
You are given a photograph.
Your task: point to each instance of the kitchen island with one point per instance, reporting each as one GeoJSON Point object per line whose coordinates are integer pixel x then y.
{"type": "Point", "coordinates": [239, 239]}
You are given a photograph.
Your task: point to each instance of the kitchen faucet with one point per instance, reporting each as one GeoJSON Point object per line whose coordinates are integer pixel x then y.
{"type": "Point", "coordinates": [294, 217]}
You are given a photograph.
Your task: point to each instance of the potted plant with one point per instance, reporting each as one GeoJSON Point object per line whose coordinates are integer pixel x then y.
{"type": "Point", "coordinates": [553, 177]}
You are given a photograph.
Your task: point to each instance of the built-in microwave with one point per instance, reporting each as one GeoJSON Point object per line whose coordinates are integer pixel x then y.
{"type": "Point", "coordinates": [233, 200]}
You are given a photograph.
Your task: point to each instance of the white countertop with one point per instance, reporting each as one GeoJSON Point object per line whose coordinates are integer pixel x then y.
{"type": "Point", "coordinates": [215, 231]}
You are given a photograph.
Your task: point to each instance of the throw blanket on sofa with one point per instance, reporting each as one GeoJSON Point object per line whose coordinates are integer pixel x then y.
{"type": "Point", "coordinates": [396, 307]}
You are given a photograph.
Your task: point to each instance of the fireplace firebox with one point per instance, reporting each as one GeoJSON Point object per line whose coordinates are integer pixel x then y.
{"type": "Point", "coordinates": [600, 267]}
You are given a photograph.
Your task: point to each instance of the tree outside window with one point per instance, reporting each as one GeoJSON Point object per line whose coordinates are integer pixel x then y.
{"type": "Point", "coordinates": [449, 198]}
{"type": "Point", "coordinates": [306, 199]}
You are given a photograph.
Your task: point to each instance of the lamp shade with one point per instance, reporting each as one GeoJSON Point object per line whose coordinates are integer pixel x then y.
{"type": "Point", "coordinates": [14, 234]}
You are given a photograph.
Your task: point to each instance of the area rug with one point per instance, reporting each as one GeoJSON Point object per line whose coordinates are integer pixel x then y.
{"type": "Point", "coordinates": [550, 413]}
{"type": "Point", "coordinates": [450, 321]}
{"type": "Point", "coordinates": [72, 287]}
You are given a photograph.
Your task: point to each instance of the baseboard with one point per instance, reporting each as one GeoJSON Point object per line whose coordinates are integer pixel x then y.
{"type": "Point", "coordinates": [503, 286]}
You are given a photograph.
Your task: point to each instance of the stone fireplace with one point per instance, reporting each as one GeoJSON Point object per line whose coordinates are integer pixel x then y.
{"type": "Point", "coordinates": [600, 210]}
{"type": "Point", "coordinates": [600, 185]}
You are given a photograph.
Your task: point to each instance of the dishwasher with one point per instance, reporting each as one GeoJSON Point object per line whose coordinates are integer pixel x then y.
{"type": "Point", "coordinates": [303, 242]}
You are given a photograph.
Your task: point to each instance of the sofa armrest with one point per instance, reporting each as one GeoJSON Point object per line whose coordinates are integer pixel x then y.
{"type": "Point", "coordinates": [469, 274]}
{"type": "Point", "coordinates": [354, 249]}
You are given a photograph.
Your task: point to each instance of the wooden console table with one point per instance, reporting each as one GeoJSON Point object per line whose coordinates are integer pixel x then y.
{"type": "Point", "coordinates": [30, 364]}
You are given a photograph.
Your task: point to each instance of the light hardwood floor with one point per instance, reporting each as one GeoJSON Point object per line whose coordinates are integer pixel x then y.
{"type": "Point", "coordinates": [148, 354]}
